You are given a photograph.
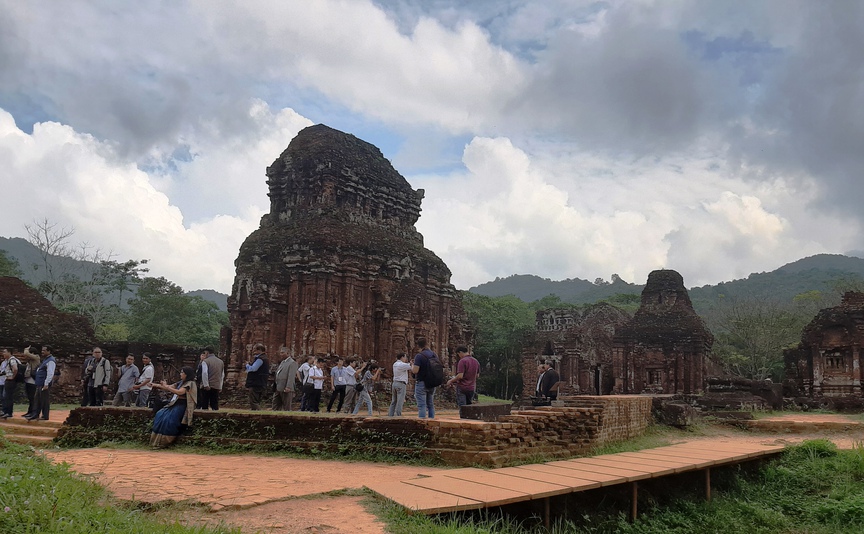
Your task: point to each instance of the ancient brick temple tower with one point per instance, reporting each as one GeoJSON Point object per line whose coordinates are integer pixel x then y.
{"type": "Point", "coordinates": [664, 348]}
{"type": "Point", "coordinates": [337, 267]}
{"type": "Point", "coordinates": [827, 362]}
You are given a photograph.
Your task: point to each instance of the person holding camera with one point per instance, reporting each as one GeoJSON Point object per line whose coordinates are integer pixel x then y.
{"type": "Point", "coordinates": [369, 373]}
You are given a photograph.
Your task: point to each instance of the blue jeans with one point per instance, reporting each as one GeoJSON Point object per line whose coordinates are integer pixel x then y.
{"type": "Point", "coordinates": [398, 390]}
{"type": "Point", "coordinates": [363, 397]}
{"type": "Point", "coordinates": [425, 400]}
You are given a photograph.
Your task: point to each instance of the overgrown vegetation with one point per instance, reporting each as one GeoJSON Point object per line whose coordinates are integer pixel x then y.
{"type": "Point", "coordinates": [116, 297]}
{"type": "Point", "coordinates": [38, 496]}
{"type": "Point", "coordinates": [812, 488]}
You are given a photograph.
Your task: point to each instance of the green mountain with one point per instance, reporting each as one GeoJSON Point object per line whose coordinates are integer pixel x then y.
{"type": "Point", "coordinates": [823, 273]}
{"type": "Point", "coordinates": [30, 262]}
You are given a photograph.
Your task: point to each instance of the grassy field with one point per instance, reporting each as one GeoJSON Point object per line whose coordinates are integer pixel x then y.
{"type": "Point", "coordinates": [812, 488]}
{"type": "Point", "coordinates": [37, 496]}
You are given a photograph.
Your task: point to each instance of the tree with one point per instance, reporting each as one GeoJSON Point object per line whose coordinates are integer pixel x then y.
{"type": "Point", "coordinates": [161, 313]}
{"type": "Point", "coordinates": [752, 333]}
{"type": "Point", "coordinates": [501, 327]}
{"type": "Point", "coordinates": [82, 279]}
{"type": "Point", "coordinates": [52, 243]}
{"type": "Point", "coordinates": [9, 266]}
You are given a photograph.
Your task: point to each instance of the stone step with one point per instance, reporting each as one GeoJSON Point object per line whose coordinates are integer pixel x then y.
{"type": "Point", "coordinates": [26, 439]}
{"type": "Point", "coordinates": [32, 428]}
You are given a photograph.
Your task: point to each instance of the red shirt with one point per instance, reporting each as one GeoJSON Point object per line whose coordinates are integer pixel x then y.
{"type": "Point", "coordinates": [469, 367]}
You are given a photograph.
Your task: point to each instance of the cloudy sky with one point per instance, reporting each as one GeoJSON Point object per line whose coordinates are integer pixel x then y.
{"type": "Point", "coordinates": [553, 137]}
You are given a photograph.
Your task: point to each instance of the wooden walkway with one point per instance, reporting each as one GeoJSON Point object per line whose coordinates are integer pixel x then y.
{"type": "Point", "coordinates": [473, 489]}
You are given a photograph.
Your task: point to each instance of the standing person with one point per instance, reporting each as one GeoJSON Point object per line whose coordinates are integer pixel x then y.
{"type": "Point", "coordinates": [212, 379]}
{"type": "Point", "coordinates": [400, 384]}
{"type": "Point", "coordinates": [467, 371]}
{"type": "Point", "coordinates": [44, 380]}
{"type": "Point", "coordinates": [31, 363]}
{"type": "Point", "coordinates": [350, 383]}
{"type": "Point", "coordinates": [87, 371]}
{"type": "Point", "coordinates": [549, 382]}
{"type": "Point", "coordinates": [541, 370]}
{"type": "Point", "coordinates": [145, 382]}
{"type": "Point", "coordinates": [11, 382]}
{"type": "Point", "coordinates": [302, 376]}
{"type": "Point", "coordinates": [177, 414]}
{"type": "Point", "coordinates": [199, 372]}
{"type": "Point", "coordinates": [129, 374]}
{"type": "Point", "coordinates": [338, 382]}
{"type": "Point", "coordinates": [4, 363]}
{"type": "Point", "coordinates": [101, 378]}
{"type": "Point", "coordinates": [257, 372]}
{"type": "Point", "coordinates": [430, 374]}
{"type": "Point", "coordinates": [316, 379]}
{"type": "Point", "coordinates": [283, 396]}
{"type": "Point", "coordinates": [369, 374]}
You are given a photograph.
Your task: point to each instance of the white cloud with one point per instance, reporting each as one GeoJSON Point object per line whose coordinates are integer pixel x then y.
{"type": "Point", "coordinates": [77, 181]}
{"type": "Point", "coordinates": [580, 215]}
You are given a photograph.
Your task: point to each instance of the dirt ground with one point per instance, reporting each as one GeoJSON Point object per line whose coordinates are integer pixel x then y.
{"type": "Point", "coordinates": [287, 495]}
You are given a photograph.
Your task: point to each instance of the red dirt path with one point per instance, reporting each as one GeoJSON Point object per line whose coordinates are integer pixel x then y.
{"type": "Point", "coordinates": [287, 495]}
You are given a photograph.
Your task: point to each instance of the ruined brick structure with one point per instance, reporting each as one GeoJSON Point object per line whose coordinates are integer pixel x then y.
{"type": "Point", "coordinates": [580, 345]}
{"type": "Point", "coordinates": [337, 266]}
{"type": "Point", "coordinates": [827, 362]}
{"type": "Point", "coordinates": [28, 318]}
{"type": "Point", "coordinates": [665, 347]}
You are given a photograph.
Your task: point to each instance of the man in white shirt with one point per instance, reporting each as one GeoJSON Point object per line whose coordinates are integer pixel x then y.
{"type": "Point", "coordinates": [302, 373]}
{"type": "Point", "coordinates": [339, 382]}
{"type": "Point", "coordinates": [350, 382]}
{"type": "Point", "coordinates": [316, 378]}
{"type": "Point", "coordinates": [145, 381]}
{"type": "Point", "coordinates": [400, 384]}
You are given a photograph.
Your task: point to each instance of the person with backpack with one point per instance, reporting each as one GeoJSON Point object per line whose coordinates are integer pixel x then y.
{"type": "Point", "coordinates": [429, 373]}
{"type": "Point", "coordinates": [14, 374]}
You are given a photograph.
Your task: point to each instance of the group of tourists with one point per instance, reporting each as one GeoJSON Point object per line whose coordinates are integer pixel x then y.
{"type": "Point", "coordinates": [352, 383]}
{"type": "Point", "coordinates": [133, 384]}
{"type": "Point", "coordinates": [37, 374]}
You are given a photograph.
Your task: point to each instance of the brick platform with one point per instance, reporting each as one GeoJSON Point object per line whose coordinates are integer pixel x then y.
{"type": "Point", "coordinates": [547, 432]}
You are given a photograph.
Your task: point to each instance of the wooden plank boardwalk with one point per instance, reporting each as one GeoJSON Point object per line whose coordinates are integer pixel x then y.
{"type": "Point", "coordinates": [472, 489]}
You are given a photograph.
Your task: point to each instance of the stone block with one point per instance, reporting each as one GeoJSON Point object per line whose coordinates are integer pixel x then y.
{"type": "Point", "coordinates": [485, 412]}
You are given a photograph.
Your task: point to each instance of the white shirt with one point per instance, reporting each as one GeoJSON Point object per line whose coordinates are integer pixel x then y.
{"type": "Point", "coordinates": [400, 371]}
{"type": "Point", "coordinates": [145, 374]}
{"type": "Point", "coordinates": [313, 372]}
{"type": "Point", "coordinates": [304, 370]}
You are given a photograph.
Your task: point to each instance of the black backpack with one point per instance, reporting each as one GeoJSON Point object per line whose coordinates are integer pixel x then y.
{"type": "Point", "coordinates": [19, 375]}
{"type": "Point", "coordinates": [434, 372]}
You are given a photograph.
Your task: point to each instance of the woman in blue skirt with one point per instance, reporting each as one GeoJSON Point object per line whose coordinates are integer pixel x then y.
{"type": "Point", "coordinates": [177, 414]}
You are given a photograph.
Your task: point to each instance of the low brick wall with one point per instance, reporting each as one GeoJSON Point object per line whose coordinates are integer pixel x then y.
{"type": "Point", "coordinates": [543, 433]}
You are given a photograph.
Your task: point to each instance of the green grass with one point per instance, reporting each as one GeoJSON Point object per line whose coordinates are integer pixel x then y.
{"type": "Point", "coordinates": [812, 488]}
{"type": "Point", "coordinates": [37, 496]}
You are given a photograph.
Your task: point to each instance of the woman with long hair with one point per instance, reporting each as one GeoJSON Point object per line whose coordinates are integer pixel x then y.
{"type": "Point", "coordinates": [177, 414]}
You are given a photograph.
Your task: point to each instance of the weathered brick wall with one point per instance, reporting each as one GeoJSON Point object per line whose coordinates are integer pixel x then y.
{"type": "Point", "coordinates": [544, 433]}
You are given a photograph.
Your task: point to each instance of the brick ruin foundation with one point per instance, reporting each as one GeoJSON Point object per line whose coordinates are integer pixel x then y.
{"type": "Point", "coordinates": [544, 433]}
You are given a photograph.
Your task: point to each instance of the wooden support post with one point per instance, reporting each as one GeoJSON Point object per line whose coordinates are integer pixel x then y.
{"type": "Point", "coordinates": [546, 513]}
{"type": "Point", "coordinates": [634, 501]}
{"type": "Point", "coordinates": [708, 484]}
